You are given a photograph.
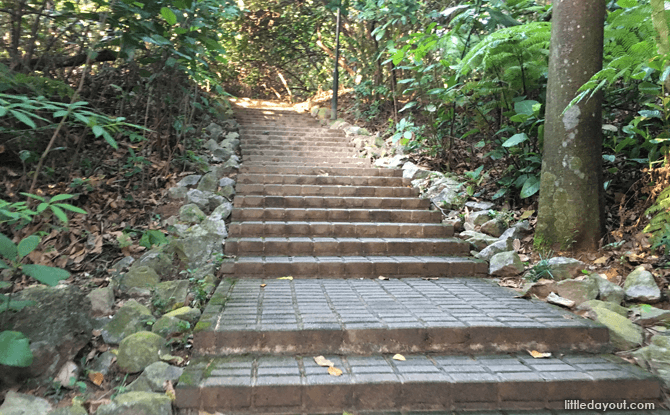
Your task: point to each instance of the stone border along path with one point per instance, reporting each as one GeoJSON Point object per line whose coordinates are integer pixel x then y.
{"type": "Point", "coordinates": [313, 227]}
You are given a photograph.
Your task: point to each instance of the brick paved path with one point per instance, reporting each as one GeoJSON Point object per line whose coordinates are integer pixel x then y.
{"type": "Point", "coordinates": [307, 208]}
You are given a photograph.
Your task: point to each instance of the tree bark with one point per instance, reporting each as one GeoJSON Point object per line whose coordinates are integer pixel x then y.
{"type": "Point", "coordinates": [571, 205]}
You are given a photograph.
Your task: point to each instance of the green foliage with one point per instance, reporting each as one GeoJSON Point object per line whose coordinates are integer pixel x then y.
{"type": "Point", "coordinates": [659, 225]}
{"type": "Point", "coordinates": [540, 270]}
{"type": "Point", "coordinates": [15, 349]}
{"type": "Point", "coordinates": [55, 206]}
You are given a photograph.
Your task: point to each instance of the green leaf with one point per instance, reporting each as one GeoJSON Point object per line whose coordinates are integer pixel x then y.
{"type": "Point", "coordinates": [3, 265]}
{"type": "Point", "coordinates": [110, 140]}
{"type": "Point", "coordinates": [72, 208]}
{"type": "Point", "coordinates": [15, 305]}
{"type": "Point", "coordinates": [530, 187]}
{"type": "Point", "coordinates": [4, 284]}
{"type": "Point", "coordinates": [28, 245]}
{"type": "Point", "coordinates": [515, 140]}
{"type": "Point", "coordinates": [609, 157]}
{"type": "Point", "coordinates": [626, 3]}
{"type": "Point", "coordinates": [23, 118]}
{"type": "Point", "coordinates": [8, 248]}
{"type": "Point", "coordinates": [15, 349]}
{"type": "Point", "coordinates": [500, 193]}
{"type": "Point", "coordinates": [58, 198]}
{"type": "Point", "coordinates": [525, 107]}
{"type": "Point", "coordinates": [58, 212]}
{"type": "Point", "coordinates": [44, 274]}
{"type": "Point", "coordinates": [169, 16]}
{"type": "Point", "coordinates": [97, 131]}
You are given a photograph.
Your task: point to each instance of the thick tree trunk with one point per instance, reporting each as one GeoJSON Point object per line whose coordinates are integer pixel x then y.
{"type": "Point", "coordinates": [571, 200]}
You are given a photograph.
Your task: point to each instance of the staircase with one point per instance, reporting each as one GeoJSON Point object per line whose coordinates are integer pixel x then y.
{"type": "Point", "coordinates": [313, 230]}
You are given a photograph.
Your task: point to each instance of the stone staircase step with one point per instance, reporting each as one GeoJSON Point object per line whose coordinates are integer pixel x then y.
{"type": "Point", "coordinates": [446, 315]}
{"type": "Point", "coordinates": [251, 149]}
{"type": "Point", "coordinates": [306, 152]}
{"type": "Point", "coordinates": [273, 130]}
{"type": "Point", "coordinates": [380, 181]}
{"type": "Point", "coordinates": [340, 229]}
{"type": "Point", "coordinates": [342, 246]}
{"type": "Point", "coordinates": [321, 170]}
{"type": "Point", "coordinates": [307, 161]}
{"type": "Point", "coordinates": [323, 202]}
{"type": "Point", "coordinates": [324, 190]}
{"type": "Point", "coordinates": [517, 383]}
{"type": "Point", "coordinates": [279, 143]}
{"type": "Point", "coordinates": [336, 215]}
{"type": "Point", "coordinates": [353, 266]}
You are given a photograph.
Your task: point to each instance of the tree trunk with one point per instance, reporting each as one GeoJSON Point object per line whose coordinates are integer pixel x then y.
{"type": "Point", "coordinates": [571, 206]}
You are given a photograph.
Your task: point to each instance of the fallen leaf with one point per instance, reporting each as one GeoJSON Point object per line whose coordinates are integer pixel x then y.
{"type": "Point", "coordinates": [96, 378]}
{"type": "Point", "coordinates": [381, 277]}
{"type": "Point", "coordinates": [333, 371]}
{"type": "Point", "coordinates": [602, 260]}
{"type": "Point", "coordinates": [263, 285]}
{"type": "Point", "coordinates": [323, 362]}
{"type": "Point", "coordinates": [539, 355]}
{"type": "Point", "coordinates": [97, 333]}
{"type": "Point", "coordinates": [516, 245]}
{"type": "Point", "coordinates": [290, 278]}
{"type": "Point", "coordinates": [177, 360]}
{"type": "Point", "coordinates": [554, 298]}
{"type": "Point", "coordinates": [399, 357]}
{"type": "Point", "coordinates": [527, 214]}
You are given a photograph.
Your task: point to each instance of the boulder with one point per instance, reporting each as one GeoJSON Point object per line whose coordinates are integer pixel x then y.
{"type": "Point", "coordinates": [477, 239]}
{"type": "Point", "coordinates": [69, 410]}
{"type": "Point", "coordinates": [624, 334]}
{"type": "Point", "coordinates": [170, 293]}
{"type": "Point", "coordinates": [475, 206]}
{"type": "Point", "coordinates": [608, 291]}
{"type": "Point", "coordinates": [131, 318]}
{"type": "Point", "coordinates": [517, 231]}
{"type": "Point", "coordinates": [447, 198]}
{"type": "Point", "coordinates": [177, 192]}
{"type": "Point", "coordinates": [232, 136]}
{"type": "Point", "coordinates": [323, 114]}
{"type": "Point", "coordinates": [578, 291]}
{"type": "Point", "coordinates": [159, 259]}
{"type": "Point", "coordinates": [209, 183]}
{"type": "Point", "coordinates": [23, 404]}
{"type": "Point", "coordinates": [191, 213]}
{"type": "Point", "coordinates": [137, 403]}
{"type": "Point", "coordinates": [102, 363]}
{"type": "Point", "coordinates": [211, 145]}
{"type": "Point", "coordinates": [139, 350]}
{"type": "Point", "coordinates": [228, 191]}
{"type": "Point", "coordinates": [102, 301]}
{"type": "Point", "coordinates": [197, 246]}
{"type": "Point", "coordinates": [216, 227]}
{"type": "Point", "coordinates": [153, 378]}
{"type": "Point", "coordinates": [396, 161]}
{"type": "Point", "coordinates": [479, 218]}
{"type": "Point", "coordinates": [215, 201]}
{"type": "Point", "coordinates": [493, 227]}
{"type": "Point", "coordinates": [656, 356]}
{"type": "Point", "coordinates": [190, 180]}
{"type": "Point", "coordinates": [505, 264]}
{"type": "Point", "coordinates": [314, 111]}
{"type": "Point", "coordinates": [214, 131]}
{"type": "Point", "coordinates": [641, 286]}
{"type": "Point", "coordinates": [58, 326]}
{"type": "Point", "coordinates": [565, 268]}
{"type": "Point", "coordinates": [495, 248]}
{"type": "Point", "coordinates": [168, 326]}
{"type": "Point", "coordinates": [222, 212]}
{"type": "Point", "coordinates": [199, 198]}
{"type": "Point", "coordinates": [142, 277]}
{"type": "Point", "coordinates": [646, 315]}
{"type": "Point", "coordinates": [591, 304]}
{"type": "Point", "coordinates": [412, 171]}
{"type": "Point", "coordinates": [185, 313]}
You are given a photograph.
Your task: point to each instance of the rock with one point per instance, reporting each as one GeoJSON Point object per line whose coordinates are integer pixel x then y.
{"type": "Point", "coordinates": [141, 277]}
{"type": "Point", "coordinates": [216, 227]}
{"type": "Point", "coordinates": [226, 181]}
{"type": "Point", "coordinates": [475, 206]}
{"type": "Point", "coordinates": [656, 356]}
{"type": "Point", "coordinates": [137, 403]}
{"type": "Point", "coordinates": [102, 364]}
{"type": "Point", "coordinates": [216, 201]}
{"type": "Point", "coordinates": [478, 218]}
{"type": "Point", "coordinates": [177, 192]}
{"type": "Point", "coordinates": [565, 268]}
{"type": "Point", "coordinates": [186, 313]}
{"type": "Point", "coordinates": [209, 183]}
{"type": "Point", "coordinates": [493, 227]}
{"type": "Point", "coordinates": [222, 212]}
{"type": "Point", "coordinates": [168, 326]}
{"type": "Point", "coordinates": [190, 180]}
{"type": "Point", "coordinates": [624, 334]}
{"type": "Point", "coordinates": [58, 326]}
{"type": "Point", "coordinates": [447, 198]}
{"type": "Point", "coordinates": [591, 304]}
{"type": "Point", "coordinates": [230, 144]}
{"type": "Point", "coordinates": [228, 191]}
{"type": "Point", "coordinates": [412, 171]}
{"type": "Point", "coordinates": [139, 350]}
{"type": "Point", "coordinates": [323, 114]}
{"type": "Point", "coordinates": [131, 318]}
{"type": "Point", "coordinates": [102, 301]}
{"type": "Point", "coordinates": [191, 213]}
{"type": "Point", "coordinates": [647, 315]}
{"type": "Point", "coordinates": [578, 291]}
{"type": "Point", "coordinates": [23, 404]}
{"type": "Point", "coordinates": [608, 291]}
{"type": "Point", "coordinates": [517, 231]}
{"type": "Point", "coordinates": [230, 166]}
{"type": "Point", "coordinates": [556, 299]}
{"type": "Point", "coordinates": [477, 239]}
{"type": "Point", "coordinates": [211, 145]}
{"type": "Point", "coordinates": [542, 288]}
{"type": "Point", "coordinates": [214, 131]}
{"type": "Point", "coordinates": [314, 111]}
{"type": "Point", "coordinates": [397, 161]}
{"type": "Point", "coordinates": [351, 130]}
{"type": "Point", "coordinates": [159, 259]}
{"type": "Point", "coordinates": [154, 377]}
{"type": "Point", "coordinates": [69, 410]}
{"type": "Point", "coordinates": [124, 263]}
{"type": "Point", "coordinates": [197, 246]}
{"type": "Point", "coordinates": [199, 198]}
{"type": "Point", "coordinates": [641, 286]}
{"type": "Point", "coordinates": [495, 248]}
{"type": "Point", "coordinates": [169, 293]}
{"type": "Point", "coordinates": [232, 136]}
{"type": "Point", "coordinates": [67, 375]}
{"type": "Point", "coordinates": [505, 264]}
